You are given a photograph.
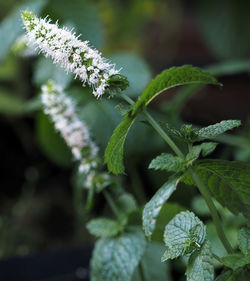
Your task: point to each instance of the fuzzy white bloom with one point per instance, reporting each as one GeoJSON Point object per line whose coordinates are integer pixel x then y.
{"type": "Point", "coordinates": [69, 52]}
{"type": "Point", "coordinates": [61, 110]}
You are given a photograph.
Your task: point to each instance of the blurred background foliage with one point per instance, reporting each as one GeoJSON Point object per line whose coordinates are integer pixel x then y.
{"type": "Point", "coordinates": [37, 210]}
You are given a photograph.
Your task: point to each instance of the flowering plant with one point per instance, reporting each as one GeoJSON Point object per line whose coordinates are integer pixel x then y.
{"type": "Point", "coordinates": [122, 252]}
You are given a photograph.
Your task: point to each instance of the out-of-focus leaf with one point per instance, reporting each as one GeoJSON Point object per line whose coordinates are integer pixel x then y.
{"type": "Point", "coordinates": [85, 17]}
{"type": "Point", "coordinates": [51, 142]}
{"type": "Point", "coordinates": [135, 69]}
{"type": "Point", "coordinates": [244, 240]}
{"type": "Point", "coordinates": [10, 104]}
{"type": "Point", "coordinates": [103, 227]}
{"type": "Point", "coordinates": [11, 27]}
{"type": "Point", "coordinates": [234, 261]}
{"type": "Point", "coordinates": [223, 24]}
{"type": "Point", "coordinates": [45, 70]}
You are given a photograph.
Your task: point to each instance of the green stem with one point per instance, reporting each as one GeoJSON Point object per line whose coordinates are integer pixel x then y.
{"type": "Point", "coordinates": [205, 193]}
{"type": "Point", "coordinates": [141, 272]}
{"type": "Point", "coordinates": [161, 132]}
{"type": "Point", "coordinates": [201, 186]}
{"type": "Point", "coordinates": [111, 203]}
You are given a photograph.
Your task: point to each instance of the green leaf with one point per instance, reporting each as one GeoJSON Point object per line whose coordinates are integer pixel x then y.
{"type": "Point", "coordinates": [45, 70]}
{"type": "Point", "coordinates": [244, 240]}
{"type": "Point", "coordinates": [11, 26]}
{"type": "Point", "coordinates": [217, 129]}
{"type": "Point", "coordinates": [234, 261]}
{"type": "Point", "coordinates": [175, 76]}
{"type": "Point", "coordinates": [168, 162]}
{"type": "Point", "coordinates": [228, 182]}
{"type": "Point", "coordinates": [153, 268]}
{"type": "Point", "coordinates": [238, 275]}
{"type": "Point", "coordinates": [153, 207]}
{"type": "Point", "coordinates": [114, 151]}
{"type": "Point", "coordinates": [115, 259]}
{"type": "Point", "coordinates": [200, 264]}
{"type": "Point", "coordinates": [127, 203]}
{"type": "Point", "coordinates": [135, 69]}
{"type": "Point", "coordinates": [183, 234]}
{"type": "Point", "coordinates": [51, 142]}
{"type": "Point", "coordinates": [122, 108]}
{"type": "Point", "coordinates": [103, 227]}
{"type": "Point", "coordinates": [204, 148]}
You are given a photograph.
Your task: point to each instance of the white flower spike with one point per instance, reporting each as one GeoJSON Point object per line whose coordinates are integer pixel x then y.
{"type": "Point", "coordinates": [62, 112]}
{"type": "Point", "coordinates": [72, 54]}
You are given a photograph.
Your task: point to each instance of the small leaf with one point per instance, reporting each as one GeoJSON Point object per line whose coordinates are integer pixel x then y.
{"type": "Point", "coordinates": [175, 76]}
{"type": "Point", "coordinates": [127, 203]}
{"type": "Point", "coordinates": [204, 148]}
{"type": "Point", "coordinates": [244, 240]}
{"type": "Point", "coordinates": [234, 261]}
{"type": "Point", "coordinates": [217, 129]}
{"type": "Point", "coordinates": [228, 182]}
{"type": "Point", "coordinates": [103, 227]}
{"type": "Point", "coordinates": [200, 264]}
{"type": "Point", "coordinates": [238, 275]}
{"type": "Point", "coordinates": [122, 108]}
{"type": "Point", "coordinates": [183, 234]}
{"type": "Point", "coordinates": [115, 259]}
{"type": "Point", "coordinates": [153, 207]}
{"type": "Point", "coordinates": [114, 150]}
{"type": "Point", "coordinates": [168, 162]}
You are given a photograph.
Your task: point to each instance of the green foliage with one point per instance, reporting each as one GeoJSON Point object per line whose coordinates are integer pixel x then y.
{"type": "Point", "coordinates": [175, 76]}
{"type": "Point", "coordinates": [127, 203]}
{"type": "Point", "coordinates": [235, 261]}
{"type": "Point", "coordinates": [51, 142]}
{"type": "Point", "coordinates": [115, 259]}
{"type": "Point", "coordinates": [103, 227]}
{"type": "Point", "coordinates": [114, 151]}
{"type": "Point", "coordinates": [238, 275]}
{"type": "Point", "coordinates": [244, 240]}
{"type": "Point", "coordinates": [216, 129]}
{"type": "Point", "coordinates": [11, 28]}
{"type": "Point", "coordinates": [204, 148]}
{"type": "Point", "coordinates": [151, 265]}
{"type": "Point", "coordinates": [200, 264]}
{"type": "Point", "coordinates": [168, 162]}
{"type": "Point", "coordinates": [183, 235]}
{"type": "Point", "coordinates": [228, 182]}
{"type": "Point", "coordinates": [153, 207]}
{"type": "Point", "coordinates": [46, 70]}
{"type": "Point", "coordinates": [85, 17]}
{"type": "Point", "coordinates": [135, 69]}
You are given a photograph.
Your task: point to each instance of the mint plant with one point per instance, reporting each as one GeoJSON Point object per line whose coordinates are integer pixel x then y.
{"type": "Point", "coordinates": [122, 250]}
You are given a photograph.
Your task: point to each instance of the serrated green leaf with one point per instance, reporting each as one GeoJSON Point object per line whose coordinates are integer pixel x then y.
{"type": "Point", "coordinates": [168, 162]}
{"type": "Point", "coordinates": [204, 148]}
{"type": "Point", "coordinates": [115, 259]}
{"type": "Point", "coordinates": [153, 207]}
{"type": "Point", "coordinates": [175, 76]}
{"type": "Point", "coordinates": [200, 264]}
{"type": "Point", "coordinates": [114, 151]}
{"type": "Point", "coordinates": [217, 129]}
{"type": "Point", "coordinates": [234, 261]}
{"type": "Point", "coordinates": [103, 227]}
{"type": "Point", "coordinates": [244, 240]}
{"type": "Point", "coordinates": [153, 268]}
{"type": "Point", "coordinates": [228, 182]}
{"type": "Point", "coordinates": [183, 234]}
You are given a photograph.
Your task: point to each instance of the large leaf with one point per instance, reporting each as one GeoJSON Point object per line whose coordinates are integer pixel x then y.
{"type": "Point", "coordinates": [235, 261]}
{"type": "Point", "coordinates": [153, 268]}
{"type": "Point", "coordinates": [11, 26]}
{"type": "Point", "coordinates": [175, 76]}
{"type": "Point", "coordinates": [103, 227]}
{"type": "Point", "coordinates": [183, 234]}
{"type": "Point", "coordinates": [228, 182]}
{"type": "Point", "coordinates": [114, 150]}
{"type": "Point", "coordinates": [244, 240]}
{"type": "Point", "coordinates": [200, 264]}
{"type": "Point", "coordinates": [115, 259]}
{"type": "Point", "coordinates": [153, 207]}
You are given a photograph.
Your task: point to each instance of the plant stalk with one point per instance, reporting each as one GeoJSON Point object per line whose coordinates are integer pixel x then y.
{"type": "Point", "coordinates": [205, 193]}
{"type": "Point", "coordinates": [111, 203]}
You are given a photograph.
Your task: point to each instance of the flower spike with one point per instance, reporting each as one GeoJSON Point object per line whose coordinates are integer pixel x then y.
{"type": "Point", "coordinates": [73, 54]}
